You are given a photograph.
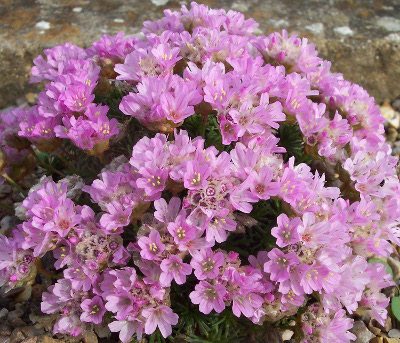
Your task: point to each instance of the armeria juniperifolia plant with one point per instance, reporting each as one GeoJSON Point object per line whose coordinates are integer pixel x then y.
{"type": "Point", "coordinates": [216, 172]}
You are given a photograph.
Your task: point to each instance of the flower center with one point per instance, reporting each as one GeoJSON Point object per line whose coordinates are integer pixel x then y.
{"type": "Point", "coordinates": [208, 265]}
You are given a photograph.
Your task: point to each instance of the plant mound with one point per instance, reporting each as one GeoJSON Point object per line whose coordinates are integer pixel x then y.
{"type": "Point", "coordinates": [201, 164]}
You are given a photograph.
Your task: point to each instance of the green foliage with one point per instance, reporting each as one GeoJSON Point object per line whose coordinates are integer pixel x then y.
{"type": "Point", "coordinates": [291, 139]}
{"type": "Point", "coordinates": [51, 160]}
{"type": "Point", "coordinates": [195, 127]}
{"type": "Point", "coordinates": [267, 210]}
{"type": "Point", "coordinates": [395, 305]}
{"type": "Point", "coordinates": [196, 327]}
{"type": "Point", "coordinates": [254, 230]}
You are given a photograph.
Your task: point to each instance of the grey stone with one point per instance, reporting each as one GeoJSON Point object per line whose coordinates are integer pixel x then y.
{"type": "Point", "coordinates": [18, 313]}
{"type": "Point", "coordinates": [343, 30]}
{"type": "Point", "coordinates": [159, 2]}
{"type": "Point", "coordinates": [17, 336]}
{"type": "Point", "coordinates": [394, 333]}
{"type": "Point", "coordinates": [389, 23]}
{"type": "Point", "coordinates": [362, 332]}
{"type": "Point", "coordinates": [315, 28]}
{"type": "Point", "coordinates": [5, 330]}
{"type": "Point", "coordinates": [3, 313]}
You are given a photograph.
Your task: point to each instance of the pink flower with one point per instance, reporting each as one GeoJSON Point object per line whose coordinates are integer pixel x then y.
{"type": "Point", "coordinates": [167, 213]}
{"type": "Point", "coordinates": [206, 264]}
{"type": "Point", "coordinates": [127, 328]}
{"type": "Point", "coordinates": [279, 264]}
{"type": "Point", "coordinates": [286, 231]}
{"type": "Point", "coordinates": [153, 180]}
{"type": "Point", "coordinates": [174, 268]}
{"type": "Point", "coordinates": [151, 246]}
{"type": "Point", "coordinates": [246, 304]}
{"type": "Point", "coordinates": [209, 297]}
{"type": "Point", "coordinates": [196, 175]}
{"type": "Point", "coordinates": [116, 218]}
{"type": "Point", "coordinates": [161, 317]}
{"type": "Point", "coordinates": [181, 231]}
{"type": "Point", "coordinates": [93, 310]}
{"type": "Point", "coordinates": [262, 184]}
{"type": "Point", "coordinates": [218, 225]}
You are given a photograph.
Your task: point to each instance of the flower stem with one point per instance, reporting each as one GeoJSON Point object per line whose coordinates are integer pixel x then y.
{"type": "Point", "coordinates": [45, 272]}
{"type": "Point", "coordinates": [69, 165]}
{"type": "Point", "coordinates": [16, 185]}
{"type": "Point", "coordinates": [44, 164]}
{"type": "Point", "coordinates": [203, 126]}
{"type": "Point", "coordinates": [8, 207]}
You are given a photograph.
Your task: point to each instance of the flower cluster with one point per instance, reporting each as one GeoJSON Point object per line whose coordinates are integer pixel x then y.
{"type": "Point", "coordinates": [154, 220]}
{"type": "Point", "coordinates": [67, 108]}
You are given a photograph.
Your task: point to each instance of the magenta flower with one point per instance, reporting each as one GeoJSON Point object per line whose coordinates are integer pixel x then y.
{"type": "Point", "coordinates": [206, 264]}
{"type": "Point", "coordinates": [174, 268]}
{"type": "Point", "coordinates": [127, 328]}
{"type": "Point", "coordinates": [313, 278]}
{"type": "Point", "coordinates": [196, 175]}
{"type": "Point", "coordinates": [262, 184]}
{"type": "Point", "coordinates": [286, 231]}
{"type": "Point", "coordinates": [116, 218]}
{"type": "Point", "coordinates": [312, 233]}
{"type": "Point", "coordinates": [218, 225]}
{"type": "Point", "coordinates": [161, 317]}
{"type": "Point", "coordinates": [167, 213]}
{"type": "Point", "coordinates": [64, 218]}
{"type": "Point", "coordinates": [78, 97]}
{"type": "Point", "coordinates": [208, 297]}
{"type": "Point", "coordinates": [153, 180]}
{"type": "Point", "coordinates": [181, 231]}
{"type": "Point", "coordinates": [279, 264]}
{"type": "Point", "coordinates": [166, 57]}
{"type": "Point", "coordinates": [151, 246]}
{"type": "Point", "coordinates": [93, 310]}
{"type": "Point", "coordinates": [246, 304]}
{"type": "Point", "coordinates": [175, 108]}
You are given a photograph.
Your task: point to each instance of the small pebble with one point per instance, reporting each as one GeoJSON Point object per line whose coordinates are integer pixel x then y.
{"type": "Point", "coordinates": [77, 9]}
{"type": "Point", "coordinates": [287, 335]}
{"type": "Point", "coordinates": [316, 28]}
{"type": "Point", "coordinates": [392, 134]}
{"type": "Point", "coordinates": [279, 23]}
{"type": "Point", "coordinates": [30, 340]}
{"type": "Point", "coordinates": [343, 30]}
{"type": "Point", "coordinates": [3, 313]}
{"type": "Point", "coordinates": [236, 6]}
{"type": "Point", "coordinates": [5, 330]}
{"type": "Point", "coordinates": [119, 20]}
{"type": "Point", "coordinates": [394, 333]}
{"type": "Point", "coordinates": [43, 25]}
{"type": "Point", "coordinates": [389, 23]}
{"type": "Point", "coordinates": [159, 2]}
{"type": "Point", "coordinates": [362, 332]}
{"type": "Point", "coordinates": [18, 313]}
{"type": "Point", "coordinates": [17, 336]}
{"type": "Point", "coordinates": [393, 37]}
{"type": "Point", "coordinates": [4, 339]}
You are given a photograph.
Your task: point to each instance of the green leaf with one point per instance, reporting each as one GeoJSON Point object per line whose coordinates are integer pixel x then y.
{"type": "Point", "coordinates": [388, 269]}
{"type": "Point", "coordinates": [291, 138]}
{"type": "Point", "coordinates": [395, 305]}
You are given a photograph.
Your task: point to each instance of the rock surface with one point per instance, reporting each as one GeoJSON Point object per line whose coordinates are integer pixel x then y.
{"type": "Point", "coordinates": [360, 37]}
